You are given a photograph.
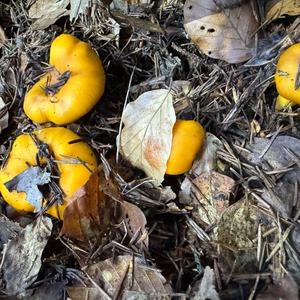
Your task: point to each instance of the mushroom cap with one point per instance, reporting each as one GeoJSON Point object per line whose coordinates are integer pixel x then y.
{"type": "Point", "coordinates": [188, 137]}
{"type": "Point", "coordinates": [288, 67]}
{"type": "Point", "coordinates": [72, 175]}
{"type": "Point", "coordinates": [81, 91]}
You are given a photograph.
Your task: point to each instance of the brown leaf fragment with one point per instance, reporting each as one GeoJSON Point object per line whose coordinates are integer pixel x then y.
{"type": "Point", "coordinates": [212, 191]}
{"type": "Point", "coordinates": [9, 230]}
{"type": "Point", "coordinates": [284, 289]}
{"type": "Point", "coordinates": [88, 214]}
{"type": "Point", "coordinates": [206, 162]}
{"type": "Point", "coordinates": [51, 291]}
{"type": "Point", "coordinates": [87, 293]}
{"type": "Point", "coordinates": [2, 37]}
{"type": "Point", "coordinates": [136, 22]}
{"type": "Point", "coordinates": [135, 222]}
{"type": "Point", "coordinates": [222, 33]}
{"type": "Point", "coordinates": [237, 233]}
{"type": "Point", "coordinates": [278, 8]}
{"type": "Point", "coordinates": [47, 12]}
{"type": "Point", "coordinates": [140, 281]}
{"type": "Point", "coordinates": [277, 154]}
{"type": "Point", "coordinates": [22, 256]}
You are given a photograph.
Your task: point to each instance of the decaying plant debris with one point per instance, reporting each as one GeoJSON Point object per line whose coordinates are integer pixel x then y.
{"type": "Point", "coordinates": [234, 240]}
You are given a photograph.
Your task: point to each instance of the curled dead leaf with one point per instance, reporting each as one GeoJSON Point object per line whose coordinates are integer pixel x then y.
{"type": "Point", "coordinates": [135, 222]}
{"type": "Point", "coordinates": [89, 211]}
{"type": "Point", "coordinates": [222, 33]}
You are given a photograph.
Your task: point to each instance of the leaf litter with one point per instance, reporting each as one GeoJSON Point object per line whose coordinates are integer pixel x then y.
{"type": "Point", "coordinates": [249, 245]}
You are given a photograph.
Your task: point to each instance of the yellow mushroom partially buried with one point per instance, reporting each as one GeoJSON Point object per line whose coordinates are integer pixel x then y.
{"type": "Point", "coordinates": [188, 137]}
{"type": "Point", "coordinates": [72, 87]}
{"type": "Point", "coordinates": [287, 77]}
{"type": "Point", "coordinates": [25, 153]}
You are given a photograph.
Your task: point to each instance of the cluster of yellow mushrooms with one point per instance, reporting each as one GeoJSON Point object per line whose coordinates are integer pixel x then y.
{"type": "Point", "coordinates": [70, 90]}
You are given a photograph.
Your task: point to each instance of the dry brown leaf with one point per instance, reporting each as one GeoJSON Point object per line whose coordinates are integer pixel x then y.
{"type": "Point", "coordinates": [135, 222]}
{"type": "Point", "coordinates": [206, 162]}
{"type": "Point", "coordinates": [22, 260]}
{"type": "Point", "coordinates": [237, 233]}
{"type": "Point", "coordinates": [86, 293]}
{"type": "Point", "coordinates": [225, 34]}
{"type": "Point", "coordinates": [136, 22]}
{"type": "Point", "coordinates": [46, 12]}
{"type": "Point", "coordinates": [277, 8]}
{"type": "Point", "coordinates": [212, 191]}
{"type": "Point", "coordinates": [284, 289]}
{"type": "Point", "coordinates": [9, 230]}
{"type": "Point", "coordinates": [146, 138]}
{"type": "Point", "coordinates": [129, 278]}
{"type": "Point", "coordinates": [88, 214]}
{"type": "Point", "coordinates": [280, 153]}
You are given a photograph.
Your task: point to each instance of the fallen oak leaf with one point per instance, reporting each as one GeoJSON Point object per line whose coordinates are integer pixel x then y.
{"type": "Point", "coordinates": [146, 138]}
{"type": "Point", "coordinates": [220, 33]}
{"type": "Point", "coordinates": [88, 213]}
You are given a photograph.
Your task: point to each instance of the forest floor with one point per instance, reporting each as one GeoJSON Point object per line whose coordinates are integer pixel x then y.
{"type": "Point", "coordinates": [228, 229]}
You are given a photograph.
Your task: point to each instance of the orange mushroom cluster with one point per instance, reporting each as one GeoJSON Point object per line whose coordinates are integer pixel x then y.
{"type": "Point", "coordinates": [63, 95]}
{"type": "Point", "coordinates": [70, 90]}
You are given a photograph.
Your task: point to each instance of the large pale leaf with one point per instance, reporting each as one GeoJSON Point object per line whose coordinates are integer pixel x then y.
{"type": "Point", "coordinates": [221, 33]}
{"type": "Point", "coordinates": [146, 138]}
